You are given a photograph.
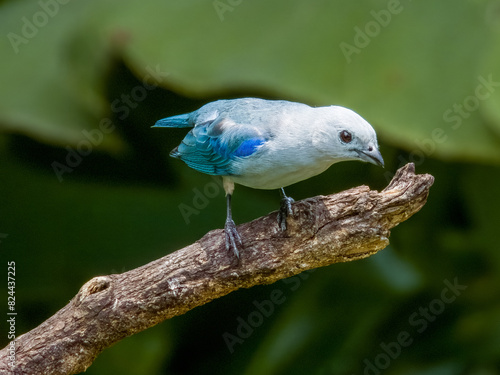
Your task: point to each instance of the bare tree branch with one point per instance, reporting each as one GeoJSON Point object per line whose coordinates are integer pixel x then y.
{"type": "Point", "coordinates": [350, 225]}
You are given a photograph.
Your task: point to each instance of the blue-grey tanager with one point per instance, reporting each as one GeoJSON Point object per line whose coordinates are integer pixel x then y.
{"type": "Point", "coordinates": [269, 144]}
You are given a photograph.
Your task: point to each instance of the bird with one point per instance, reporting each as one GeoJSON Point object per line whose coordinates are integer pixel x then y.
{"type": "Point", "coordinates": [269, 144]}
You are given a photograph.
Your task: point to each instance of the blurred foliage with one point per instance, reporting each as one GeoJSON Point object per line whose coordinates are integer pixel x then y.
{"type": "Point", "coordinates": [83, 81]}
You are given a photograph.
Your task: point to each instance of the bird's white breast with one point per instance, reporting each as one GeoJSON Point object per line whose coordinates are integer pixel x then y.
{"type": "Point", "coordinates": [280, 166]}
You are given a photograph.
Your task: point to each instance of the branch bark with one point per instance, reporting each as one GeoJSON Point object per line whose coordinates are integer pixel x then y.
{"type": "Point", "coordinates": [350, 225]}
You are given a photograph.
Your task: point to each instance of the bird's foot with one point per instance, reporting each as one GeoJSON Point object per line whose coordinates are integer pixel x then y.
{"type": "Point", "coordinates": [285, 211]}
{"type": "Point", "coordinates": [233, 239]}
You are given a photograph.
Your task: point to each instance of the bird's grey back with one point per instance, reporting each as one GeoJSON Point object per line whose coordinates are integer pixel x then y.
{"type": "Point", "coordinates": [258, 112]}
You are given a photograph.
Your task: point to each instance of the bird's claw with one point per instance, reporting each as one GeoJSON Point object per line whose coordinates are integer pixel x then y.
{"type": "Point", "coordinates": [233, 239]}
{"type": "Point", "coordinates": [285, 211]}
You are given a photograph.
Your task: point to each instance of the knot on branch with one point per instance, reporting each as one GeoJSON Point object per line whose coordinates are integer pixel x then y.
{"type": "Point", "coordinates": [93, 286]}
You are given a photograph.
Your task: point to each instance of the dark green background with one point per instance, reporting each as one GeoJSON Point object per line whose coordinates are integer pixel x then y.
{"type": "Point", "coordinates": [417, 75]}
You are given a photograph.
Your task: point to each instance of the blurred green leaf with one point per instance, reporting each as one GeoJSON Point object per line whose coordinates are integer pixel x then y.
{"type": "Point", "coordinates": [58, 64]}
{"type": "Point", "coordinates": [410, 69]}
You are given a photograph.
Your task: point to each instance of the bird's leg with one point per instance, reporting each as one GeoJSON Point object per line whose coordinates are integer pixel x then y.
{"type": "Point", "coordinates": [233, 239]}
{"type": "Point", "coordinates": [285, 209]}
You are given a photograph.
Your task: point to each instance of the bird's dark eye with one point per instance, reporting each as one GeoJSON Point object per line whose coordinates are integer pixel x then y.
{"type": "Point", "coordinates": [345, 136]}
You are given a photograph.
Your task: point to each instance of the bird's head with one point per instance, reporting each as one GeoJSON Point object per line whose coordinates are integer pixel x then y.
{"type": "Point", "coordinates": [342, 134]}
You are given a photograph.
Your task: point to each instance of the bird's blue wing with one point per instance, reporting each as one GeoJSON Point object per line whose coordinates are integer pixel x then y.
{"type": "Point", "coordinates": [215, 146]}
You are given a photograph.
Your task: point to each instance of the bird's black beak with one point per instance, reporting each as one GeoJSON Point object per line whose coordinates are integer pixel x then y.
{"type": "Point", "coordinates": [372, 155]}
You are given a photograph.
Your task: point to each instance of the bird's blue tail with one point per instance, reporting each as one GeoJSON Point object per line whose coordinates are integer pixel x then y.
{"type": "Point", "coordinates": [179, 121]}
